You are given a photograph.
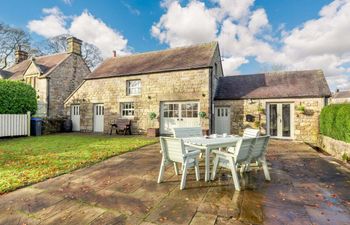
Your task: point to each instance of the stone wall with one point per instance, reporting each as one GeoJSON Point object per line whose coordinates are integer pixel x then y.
{"type": "Point", "coordinates": [63, 81]}
{"type": "Point", "coordinates": [306, 124]}
{"type": "Point", "coordinates": [336, 148]}
{"type": "Point", "coordinates": [188, 85]}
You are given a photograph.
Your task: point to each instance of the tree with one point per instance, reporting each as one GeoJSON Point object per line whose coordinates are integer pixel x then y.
{"type": "Point", "coordinates": [90, 53]}
{"type": "Point", "coordinates": [10, 39]}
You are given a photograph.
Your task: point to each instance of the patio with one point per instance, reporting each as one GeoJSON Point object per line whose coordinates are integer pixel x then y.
{"type": "Point", "coordinates": [306, 188]}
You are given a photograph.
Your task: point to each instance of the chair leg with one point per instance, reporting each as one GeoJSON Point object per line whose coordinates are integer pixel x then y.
{"type": "Point", "coordinates": [266, 169]}
{"type": "Point", "coordinates": [184, 174]}
{"type": "Point", "coordinates": [196, 168]}
{"type": "Point", "coordinates": [215, 166]}
{"type": "Point", "coordinates": [234, 175]}
{"type": "Point", "coordinates": [176, 169]}
{"type": "Point", "coordinates": [161, 171]}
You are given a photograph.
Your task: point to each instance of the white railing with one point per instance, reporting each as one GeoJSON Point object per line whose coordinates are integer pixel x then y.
{"type": "Point", "coordinates": [14, 125]}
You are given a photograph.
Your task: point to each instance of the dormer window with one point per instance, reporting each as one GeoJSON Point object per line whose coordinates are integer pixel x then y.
{"type": "Point", "coordinates": [31, 81]}
{"type": "Point", "coordinates": [133, 87]}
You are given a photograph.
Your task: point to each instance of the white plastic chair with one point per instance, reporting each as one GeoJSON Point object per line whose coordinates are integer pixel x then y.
{"type": "Point", "coordinates": [173, 150]}
{"type": "Point", "coordinates": [184, 132]}
{"type": "Point", "coordinates": [258, 155]}
{"type": "Point", "coordinates": [251, 133]}
{"type": "Point", "coordinates": [247, 133]}
{"type": "Point", "coordinates": [233, 160]}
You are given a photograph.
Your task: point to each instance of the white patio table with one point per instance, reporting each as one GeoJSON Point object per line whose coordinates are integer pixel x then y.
{"type": "Point", "coordinates": [208, 144]}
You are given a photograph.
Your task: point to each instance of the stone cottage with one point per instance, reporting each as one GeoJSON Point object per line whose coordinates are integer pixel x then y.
{"type": "Point", "coordinates": [54, 77]}
{"type": "Point", "coordinates": [176, 84]}
{"type": "Point", "coordinates": [341, 97]}
{"type": "Point", "coordinates": [284, 105]}
{"type": "Point", "coordinates": [180, 84]}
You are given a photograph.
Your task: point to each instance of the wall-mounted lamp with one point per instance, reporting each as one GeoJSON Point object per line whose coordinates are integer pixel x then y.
{"type": "Point", "coordinates": [250, 101]}
{"type": "Point", "coordinates": [203, 95]}
{"type": "Point", "coordinates": [149, 97]}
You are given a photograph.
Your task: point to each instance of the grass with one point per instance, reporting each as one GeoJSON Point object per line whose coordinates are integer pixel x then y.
{"type": "Point", "coordinates": [28, 160]}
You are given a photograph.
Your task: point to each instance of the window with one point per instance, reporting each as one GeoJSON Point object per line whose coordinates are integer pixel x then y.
{"type": "Point", "coordinates": [31, 81]}
{"type": "Point", "coordinates": [171, 110]}
{"type": "Point", "coordinates": [133, 87]}
{"type": "Point", "coordinates": [127, 109]}
{"type": "Point", "coordinates": [189, 110]}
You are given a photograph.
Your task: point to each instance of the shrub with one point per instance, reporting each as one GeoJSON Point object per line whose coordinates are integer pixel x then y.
{"type": "Point", "coordinates": [335, 121]}
{"type": "Point", "coordinates": [17, 97]}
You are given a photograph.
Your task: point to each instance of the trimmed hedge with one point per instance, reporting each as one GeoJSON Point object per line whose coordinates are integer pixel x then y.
{"type": "Point", "coordinates": [17, 98]}
{"type": "Point", "coordinates": [335, 122]}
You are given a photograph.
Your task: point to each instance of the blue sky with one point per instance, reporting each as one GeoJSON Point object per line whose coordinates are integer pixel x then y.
{"type": "Point", "coordinates": [254, 36]}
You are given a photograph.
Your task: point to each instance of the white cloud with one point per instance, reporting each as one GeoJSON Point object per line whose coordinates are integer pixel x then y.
{"type": "Point", "coordinates": [84, 26]}
{"type": "Point", "coordinates": [242, 32]}
{"type": "Point", "coordinates": [52, 24]}
{"type": "Point", "coordinates": [68, 2]}
{"type": "Point", "coordinates": [178, 26]}
{"type": "Point", "coordinates": [104, 37]}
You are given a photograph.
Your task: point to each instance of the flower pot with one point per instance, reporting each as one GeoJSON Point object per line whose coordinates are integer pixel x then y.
{"type": "Point", "coordinates": [152, 132]}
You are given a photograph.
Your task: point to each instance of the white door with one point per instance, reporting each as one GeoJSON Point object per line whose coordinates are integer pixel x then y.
{"type": "Point", "coordinates": [280, 118]}
{"type": "Point", "coordinates": [222, 120]}
{"type": "Point", "coordinates": [178, 114]}
{"type": "Point", "coordinates": [75, 116]}
{"type": "Point", "coordinates": [98, 118]}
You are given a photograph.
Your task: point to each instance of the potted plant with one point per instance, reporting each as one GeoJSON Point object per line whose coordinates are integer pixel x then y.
{"type": "Point", "coordinates": [152, 132]}
{"type": "Point", "coordinates": [300, 109]}
{"type": "Point", "coordinates": [203, 115]}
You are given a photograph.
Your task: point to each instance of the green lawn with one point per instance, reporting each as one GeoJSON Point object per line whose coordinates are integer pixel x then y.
{"type": "Point", "coordinates": [28, 160]}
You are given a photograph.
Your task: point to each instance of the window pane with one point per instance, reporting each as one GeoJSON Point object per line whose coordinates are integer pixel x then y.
{"type": "Point", "coordinates": [183, 113]}
{"type": "Point", "coordinates": [195, 114]}
{"type": "Point", "coordinates": [166, 114]}
{"type": "Point", "coordinates": [170, 113]}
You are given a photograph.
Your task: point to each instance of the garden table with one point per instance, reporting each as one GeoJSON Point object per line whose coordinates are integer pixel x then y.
{"type": "Point", "coordinates": [207, 144]}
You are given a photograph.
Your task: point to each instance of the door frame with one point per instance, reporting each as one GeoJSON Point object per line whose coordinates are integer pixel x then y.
{"type": "Point", "coordinates": [172, 102]}
{"type": "Point", "coordinates": [93, 117]}
{"type": "Point", "coordinates": [292, 124]}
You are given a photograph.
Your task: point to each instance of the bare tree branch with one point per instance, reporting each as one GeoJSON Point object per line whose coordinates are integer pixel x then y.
{"type": "Point", "coordinates": [10, 39]}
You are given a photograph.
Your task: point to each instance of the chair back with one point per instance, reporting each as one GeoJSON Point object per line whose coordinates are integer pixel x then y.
{"type": "Point", "coordinates": [243, 149]}
{"type": "Point", "coordinates": [251, 133]}
{"type": "Point", "coordinates": [173, 149]}
{"type": "Point", "coordinates": [183, 132]}
{"type": "Point", "coordinates": [260, 147]}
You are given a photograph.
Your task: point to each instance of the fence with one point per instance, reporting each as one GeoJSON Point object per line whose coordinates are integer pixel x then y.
{"type": "Point", "coordinates": [14, 125]}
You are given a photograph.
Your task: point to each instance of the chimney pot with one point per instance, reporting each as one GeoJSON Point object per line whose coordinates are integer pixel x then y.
{"type": "Point", "coordinates": [20, 55]}
{"type": "Point", "coordinates": [74, 45]}
{"type": "Point", "coordinates": [337, 90]}
{"type": "Point", "coordinates": [114, 53]}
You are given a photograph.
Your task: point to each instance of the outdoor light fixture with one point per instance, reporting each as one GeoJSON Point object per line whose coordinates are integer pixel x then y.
{"type": "Point", "coordinates": [149, 97]}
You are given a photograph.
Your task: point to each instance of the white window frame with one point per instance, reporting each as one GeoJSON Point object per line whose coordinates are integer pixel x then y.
{"type": "Point", "coordinates": [133, 90]}
{"type": "Point", "coordinates": [130, 108]}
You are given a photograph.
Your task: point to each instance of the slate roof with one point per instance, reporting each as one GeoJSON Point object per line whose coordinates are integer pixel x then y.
{"type": "Point", "coordinates": [45, 63]}
{"type": "Point", "coordinates": [342, 94]}
{"type": "Point", "coordinates": [183, 58]}
{"type": "Point", "coordinates": [289, 84]}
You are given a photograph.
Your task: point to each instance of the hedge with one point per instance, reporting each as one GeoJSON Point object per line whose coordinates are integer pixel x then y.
{"type": "Point", "coordinates": [335, 121]}
{"type": "Point", "coordinates": [17, 97]}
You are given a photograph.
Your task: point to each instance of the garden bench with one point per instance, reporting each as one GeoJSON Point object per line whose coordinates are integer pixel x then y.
{"type": "Point", "coordinates": [123, 125]}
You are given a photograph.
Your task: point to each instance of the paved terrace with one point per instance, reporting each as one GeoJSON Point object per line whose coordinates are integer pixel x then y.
{"type": "Point", "coordinates": [306, 188]}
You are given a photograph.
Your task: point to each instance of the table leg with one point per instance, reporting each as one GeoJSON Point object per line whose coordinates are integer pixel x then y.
{"type": "Point", "coordinates": [207, 164]}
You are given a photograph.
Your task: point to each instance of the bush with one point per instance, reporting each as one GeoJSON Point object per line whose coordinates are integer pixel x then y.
{"type": "Point", "coordinates": [335, 122]}
{"type": "Point", "coordinates": [17, 98]}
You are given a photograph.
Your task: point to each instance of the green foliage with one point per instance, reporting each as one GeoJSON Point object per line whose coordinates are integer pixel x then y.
{"type": "Point", "coordinates": [28, 160]}
{"type": "Point", "coordinates": [345, 157]}
{"type": "Point", "coordinates": [17, 97]}
{"type": "Point", "coordinates": [335, 121]}
{"type": "Point", "coordinates": [202, 114]}
{"type": "Point", "coordinates": [152, 115]}
{"type": "Point", "coordinates": [300, 108]}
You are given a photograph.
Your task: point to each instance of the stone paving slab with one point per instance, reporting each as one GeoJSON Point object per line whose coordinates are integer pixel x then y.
{"type": "Point", "coordinates": [306, 188]}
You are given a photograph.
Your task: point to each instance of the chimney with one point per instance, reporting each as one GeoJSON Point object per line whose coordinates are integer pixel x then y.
{"type": "Point", "coordinates": [337, 90]}
{"type": "Point", "coordinates": [114, 53]}
{"type": "Point", "coordinates": [74, 45]}
{"type": "Point", "coordinates": [20, 55]}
